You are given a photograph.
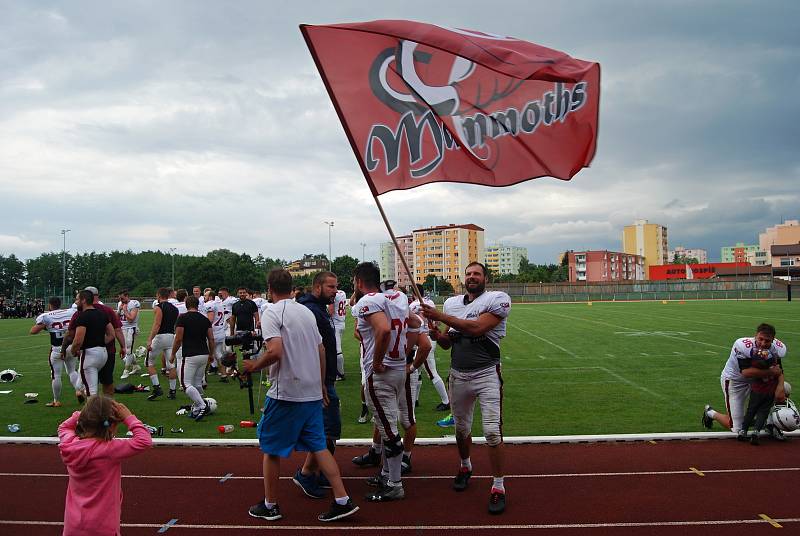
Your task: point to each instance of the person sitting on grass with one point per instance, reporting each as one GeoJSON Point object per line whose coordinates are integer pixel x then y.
{"type": "Point", "coordinates": [93, 458]}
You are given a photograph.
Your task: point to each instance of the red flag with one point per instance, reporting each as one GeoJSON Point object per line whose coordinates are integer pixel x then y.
{"type": "Point", "coordinates": [423, 103]}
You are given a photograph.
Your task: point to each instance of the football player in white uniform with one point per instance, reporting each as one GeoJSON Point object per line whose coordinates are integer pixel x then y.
{"type": "Point", "coordinates": [213, 310]}
{"type": "Point", "coordinates": [383, 323]}
{"type": "Point", "coordinates": [430, 363]}
{"type": "Point", "coordinates": [338, 310]}
{"type": "Point", "coordinates": [128, 312]}
{"type": "Point", "coordinates": [739, 373]}
{"type": "Point", "coordinates": [56, 322]}
{"type": "Point", "coordinates": [477, 322]}
{"type": "Point", "coordinates": [197, 293]}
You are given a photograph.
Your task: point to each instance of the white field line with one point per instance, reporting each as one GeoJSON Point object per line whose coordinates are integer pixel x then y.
{"type": "Point", "coordinates": [448, 477]}
{"type": "Point", "coordinates": [416, 528]}
{"type": "Point", "coordinates": [746, 329]}
{"type": "Point", "coordinates": [636, 385]}
{"type": "Point", "coordinates": [551, 343]}
{"type": "Point", "coordinates": [8, 350]}
{"type": "Point", "coordinates": [745, 316]}
{"type": "Point", "coordinates": [632, 329]}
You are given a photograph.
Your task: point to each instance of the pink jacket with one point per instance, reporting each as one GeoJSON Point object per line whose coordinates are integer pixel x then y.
{"type": "Point", "coordinates": [94, 493]}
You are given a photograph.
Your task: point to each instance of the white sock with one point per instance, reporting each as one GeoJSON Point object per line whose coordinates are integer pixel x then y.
{"type": "Point", "coordinates": [194, 395]}
{"type": "Point", "coordinates": [342, 500]}
{"type": "Point", "coordinates": [154, 379]}
{"type": "Point", "coordinates": [497, 483]}
{"type": "Point", "coordinates": [711, 413]}
{"type": "Point", "coordinates": [57, 388]}
{"type": "Point", "coordinates": [269, 504]}
{"type": "Point", "coordinates": [173, 383]}
{"type": "Point", "coordinates": [465, 462]}
{"type": "Point", "coordinates": [438, 383]}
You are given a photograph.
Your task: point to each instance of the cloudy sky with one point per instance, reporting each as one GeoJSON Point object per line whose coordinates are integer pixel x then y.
{"type": "Point", "coordinates": [199, 125]}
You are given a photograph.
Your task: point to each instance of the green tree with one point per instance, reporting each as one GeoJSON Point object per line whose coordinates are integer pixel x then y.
{"type": "Point", "coordinates": [12, 275]}
{"type": "Point", "coordinates": [442, 286]}
{"type": "Point", "coordinates": [344, 267]}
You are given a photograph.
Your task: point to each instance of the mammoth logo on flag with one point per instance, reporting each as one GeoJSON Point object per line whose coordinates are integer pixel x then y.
{"type": "Point", "coordinates": [422, 103]}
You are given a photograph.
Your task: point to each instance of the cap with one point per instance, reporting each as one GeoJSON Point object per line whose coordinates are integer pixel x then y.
{"type": "Point", "coordinates": [93, 290]}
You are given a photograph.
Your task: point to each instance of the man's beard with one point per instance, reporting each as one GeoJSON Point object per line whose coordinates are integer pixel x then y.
{"type": "Point", "coordinates": [475, 288]}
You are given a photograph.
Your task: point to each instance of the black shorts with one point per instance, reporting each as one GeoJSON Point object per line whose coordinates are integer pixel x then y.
{"type": "Point", "coordinates": [106, 374]}
{"type": "Point", "coordinates": [331, 416]}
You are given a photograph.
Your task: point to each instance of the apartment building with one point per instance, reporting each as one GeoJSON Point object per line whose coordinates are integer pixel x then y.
{"type": "Point", "coordinates": [648, 240]}
{"type": "Point", "coordinates": [446, 250]}
{"type": "Point", "coordinates": [502, 259]}
{"type": "Point", "coordinates": [602, 265]}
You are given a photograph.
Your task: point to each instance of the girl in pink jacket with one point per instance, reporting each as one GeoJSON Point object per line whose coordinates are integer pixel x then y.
{"type": "Point", "coordinates": [93, 458]}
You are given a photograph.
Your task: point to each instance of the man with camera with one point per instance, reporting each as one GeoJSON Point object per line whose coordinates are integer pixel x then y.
{"type": "Point", "coordinates": [292, 416]}
{"type": "Point", "coordinates": [322, 294]}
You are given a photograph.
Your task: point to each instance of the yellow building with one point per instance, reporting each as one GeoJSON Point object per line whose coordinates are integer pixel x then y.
{"type": "Point", "coordinates": [446, 250]}
{"type": "Point", "coordinates": [787, 233]}
{"type": "Point", "coordinates": [648, 240]}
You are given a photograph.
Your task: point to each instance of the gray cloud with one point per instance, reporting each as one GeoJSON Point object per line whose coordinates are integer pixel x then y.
{"type": "Point", "coordinates": [177, 118]}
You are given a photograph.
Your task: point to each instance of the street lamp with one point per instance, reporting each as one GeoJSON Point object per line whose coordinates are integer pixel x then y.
{"type": "Point", "coordinates": [330, 254]}
{"type": "Point", "coordinates": [64, 266]}
{"type": "Point", "coordinates": [363, 252]}
{"type": "Point", "coordinates": [172, 252]}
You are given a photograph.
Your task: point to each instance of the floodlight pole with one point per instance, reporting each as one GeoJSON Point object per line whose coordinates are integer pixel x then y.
{"type": "Point", "coordinates": [64, 266]}
{"type": "Point", "coordinates": [172, 252]}
{"type": "Point", "coordinates": [330, 254]}
{"type": "Point", "coordinates": [363, 251]}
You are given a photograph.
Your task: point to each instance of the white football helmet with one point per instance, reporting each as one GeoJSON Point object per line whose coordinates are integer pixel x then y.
{"type": "Point", "coordinates": [212, 405]}
{"type": "Point", "coordinates": [785, 416]}
{"type": "Point", "coordinates": [140, 352]}
{"type": "Point", "coordinates": [8, 375]}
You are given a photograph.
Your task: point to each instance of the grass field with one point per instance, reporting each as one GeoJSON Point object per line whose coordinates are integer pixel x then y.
{"type": "Point", "coordinates": [568, 368]}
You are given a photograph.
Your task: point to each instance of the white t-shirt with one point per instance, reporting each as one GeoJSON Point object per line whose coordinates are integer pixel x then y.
{"type": "Point", "coordinates": [218, 325]}
{"type": "Point", "coordinates": [297, 376]}
{"type": "Point", "coordinates": [339, 309]}
{"type": "Point", "coordinates": [56, 323]}
{"type": "Point", "coordinates": [227, 307]}
{"type": "Point", "coordinates": [744, 348]}
{"type": "Point", "coordinates": [394, 305]}
{"type": "Point", "coordinates": [181, 306]}
{"type": "Point", "coordinates": [132, 306]}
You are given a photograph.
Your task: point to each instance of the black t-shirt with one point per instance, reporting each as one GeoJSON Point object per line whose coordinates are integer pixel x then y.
{"type": "Point", "coordinates": [244, 310]}
{"type": "Point", "coordinates": [95, 323]}
{"type": "Point", "coordinates": [195, 332]}
{"type": "Point", "coordinates": [169, 314]}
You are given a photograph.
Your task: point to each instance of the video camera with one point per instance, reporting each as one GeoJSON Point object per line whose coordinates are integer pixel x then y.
{"type": "Point", "coordinates": [250, 345]}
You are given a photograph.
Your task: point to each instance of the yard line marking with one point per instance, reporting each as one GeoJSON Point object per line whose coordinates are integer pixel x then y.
{"type": "Point", "coordinates": [711, 352]}
{"type": "Point", "coordinates": [43, 345]}
{"type": "Point", "coordinates": [697, 471]}
{"type": "Point", "coordinates": [678, 353]}
{"type": "Point", "coordinates": [551, 343]}
{"type": "Point", "coordinates": [690, 471]}
{"type": "Point", "coordinates": [542, 357]}
{"type": "Point", "coordinates": [771, 521]}
{"type": "Point", "coordinates": [416, 528]}
{"type": "Point", "coordinates": [610, 355]}
{"type": "Point", "coordinates": [226, 477]}
{"type": "Point", "coordinates": [633, 384]}
{"type": "Point", "coordinates": [166, 526]}
{"type": "Point", "coordinates": [645, 354]}
{"type": "Point", "coordinates": [631, 329]}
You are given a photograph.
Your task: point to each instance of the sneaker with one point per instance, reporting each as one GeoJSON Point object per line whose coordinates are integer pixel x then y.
{"type": "Point", "coordinates": [707, 421]}
{"type": "Point", "coordinates": [364, 417]}
{"type": "Point", "coordinates": [171, 394]}
{"type": "Point", "coordinates": [156, 393]}
{"type": "Point", "coordinates": [81, 396]}
{"type": "Point", "coordinates": [322, 482]}
{"type": "Point", "coordinates": [213, 370]}
{"type": "Point", "coordinates": [443, 407]}
{"type": "Point", "coordinates": [405, 465]}
{"type": "Point", "coordinates": [261, 510]}
{"type": "Point", "coordinates": [53, 404]}
{"type": "Point", "coordinates": [775, 433]}
{"type": "Point", "coordinates": [223, 378]}
{"type": "Point", "coordinates": [370, 459]}
{"type": "Point", "coordinates": [497, 502]}
{"type": "Point", "coordinates": [202, 413]}
{"type": "Point", "coordinates": [125, 374]}
{"type": "Point", "coordinates": [308, 483]}
{"type": "Point", "coordinates": [416, 403]}
{"type": "Point", "coordinates": [741, 436]}
{"type": "Point", "coordinates": [164, 371]}
{"type": "Point", "coordinates": [339, 511]}
{"type": "Point", "coordinates": [754, 439]}
{"type": "Point", "coordinates": [378, 481]}
{"type": "Point", "coordinates": [387, 493]}
{"type": "Point", "coordinates": [446, 422]}
{"type": "Point", "coordinates": [339, 377]}
{"type": "Point", "coordinates": [462, 479]}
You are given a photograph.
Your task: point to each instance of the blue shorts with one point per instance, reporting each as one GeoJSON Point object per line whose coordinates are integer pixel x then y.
{"type": "Point", "coordinates": [331, 415]}
{"type": "Point", "coordinates": [289, 426]}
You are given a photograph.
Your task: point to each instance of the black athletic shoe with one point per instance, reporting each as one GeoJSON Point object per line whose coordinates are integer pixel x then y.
{"type": "Point", "coordinates": [443, 407]}
{"type": "Point", "coordinates": [163, 372]}
{"type": "Point", "coordinates": [171, 394]}
{"type": "Point", "coordinates": [378, 481]}
{"type": "Point", "coordinates": [261, 510]}
{"type": "Point", "coordinates": [416, 403]}
{"type": "Point", "coordinates": [156, 393]}
{"type": "Point", "coordinates": [707, 421]}
{"type": "Point", "coordinates": [754, 439]}
{"type": "Point", "coordinates": [339, 511]}
{"type": "Point", "coordinates": [405, 465]}
{"type": "Point", "coordinates": [212, 370]}
{"type": "Point", "coordinates": [339, 377]}
{"type": "Point", "coordinates": [497, 502]}
{"type": "Point", "coordinates": [370, 459]}
{"type": "Point", "coordinates": [203, 412]}
{"type": "Point", "coordinates": [741, 436]}
{"type": "Point", "coordinates": [387, 493]}
{"type": "Point", "coordinates": [223, 379]}
{"type": "Point", "coordinates": [462, 479]}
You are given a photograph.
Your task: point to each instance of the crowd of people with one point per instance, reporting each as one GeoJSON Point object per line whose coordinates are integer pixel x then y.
{"type": "Point", "coordinates": [297, 337]}
{"type": "Point", "coordinates": [21, 307]}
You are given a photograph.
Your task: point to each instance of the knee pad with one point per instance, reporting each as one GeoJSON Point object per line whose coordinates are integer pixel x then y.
{"type": "Point", "coordinates": [494, 438]}
{"type": "Point", "coordinates": [393, 448]}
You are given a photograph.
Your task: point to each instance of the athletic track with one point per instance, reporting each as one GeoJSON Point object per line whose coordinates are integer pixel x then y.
{"type": "Point", "coordinates": [699, 487]}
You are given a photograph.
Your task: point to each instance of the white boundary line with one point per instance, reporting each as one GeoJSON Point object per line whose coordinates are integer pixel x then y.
{"type": "Point", "coordinates": [441, 477]}
{"type": "Point", "coordinates": [513, 440]}
{"type": "Point", "coordinates": [494, 528]}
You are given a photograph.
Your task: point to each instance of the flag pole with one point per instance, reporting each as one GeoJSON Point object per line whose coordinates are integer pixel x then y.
{"type": "Point", "coordinates": [414, 288]}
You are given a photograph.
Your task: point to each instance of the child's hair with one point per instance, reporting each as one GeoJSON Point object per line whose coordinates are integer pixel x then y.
{"type": "Point", "coordinates": [97, 418]}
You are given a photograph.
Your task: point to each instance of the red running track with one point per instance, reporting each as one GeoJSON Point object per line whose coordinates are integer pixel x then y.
{"type": "Point", "coordinates": [674, 487]}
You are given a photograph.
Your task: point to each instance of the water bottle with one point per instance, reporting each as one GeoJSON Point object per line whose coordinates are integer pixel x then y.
{"type": "Point", "coordinates": [225, 428]}
{"type": "Point", "coordinates": [247, 424]}
{"type": "Point", "coordinates": [14, 428]}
